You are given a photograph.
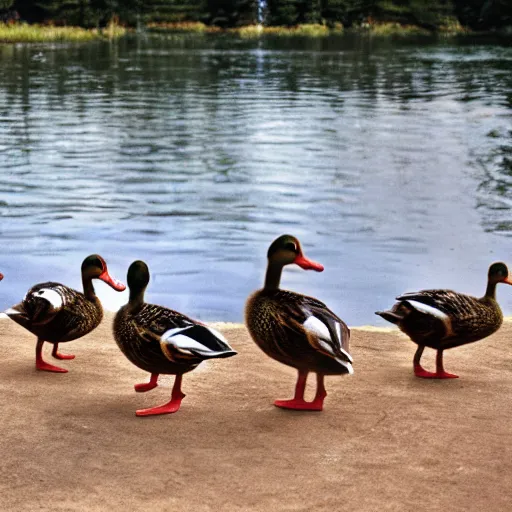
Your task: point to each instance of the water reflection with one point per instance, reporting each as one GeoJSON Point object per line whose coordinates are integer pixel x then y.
{"type": "Point", "coordinates": [390, 160]}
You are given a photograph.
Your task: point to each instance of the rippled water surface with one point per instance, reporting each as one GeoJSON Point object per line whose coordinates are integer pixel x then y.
{"type": "Point", "coordinates": [392, 162]}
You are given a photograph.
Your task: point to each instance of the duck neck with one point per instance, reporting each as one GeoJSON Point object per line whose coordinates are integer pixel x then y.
{"type": "Point", "coordinates": [490, 292]}
{"type": "Point", "coordinates": [273, 276]}
{"type": "Point", "coordinates": [136, 298]}
{"type": "Point", "coordinates": [88, 287]}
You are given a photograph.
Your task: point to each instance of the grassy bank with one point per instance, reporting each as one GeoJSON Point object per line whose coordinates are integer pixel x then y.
{"type": "Point", "coordinates": [15, 33]}
{"type": "Point", "coordinates": [249, 31]}
{"type": "Point", "coordinates": [23, 33]}
{"type": "Point", "coordinates": [383, 29]}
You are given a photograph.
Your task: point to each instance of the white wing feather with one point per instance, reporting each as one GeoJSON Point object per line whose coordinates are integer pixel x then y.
{"type": "Point", "coordinates": [317, 327]}
{"type": "Point", "coordinates": [179, 339]}
{"type": "Point", "coordinates": [52, 296]}
{"type": "Point", "coordinates": [430, 310]}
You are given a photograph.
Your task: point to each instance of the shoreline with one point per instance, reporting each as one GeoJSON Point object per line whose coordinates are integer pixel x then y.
{"type": "Point", "coordinates": [228, 326]}
{"type": "Point", "coordinates": [38, 33]}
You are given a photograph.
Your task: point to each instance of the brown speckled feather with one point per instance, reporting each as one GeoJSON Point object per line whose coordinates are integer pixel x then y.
{"type": "Point", "coordinates": [275, 320]}
{"type": "Point", "coordinates": [74, 318]}
{"type": "Point", "coordinates": [137, 333]}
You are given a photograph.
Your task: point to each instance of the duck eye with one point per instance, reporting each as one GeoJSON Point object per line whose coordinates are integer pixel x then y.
{"type": "Point", "coordinates": [96, 262]}
{"type": "Point", "coordinates": [291, 247]}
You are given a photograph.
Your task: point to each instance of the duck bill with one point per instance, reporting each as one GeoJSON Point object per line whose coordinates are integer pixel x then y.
{"type": "Point", "coordinates": [306, 264]}
{"type": "Point", "coordinates": [114, 283]}
{"type": "Point", "coordinates": [1, 276]}
{"type": "Point", "coordinates": [507, 280]}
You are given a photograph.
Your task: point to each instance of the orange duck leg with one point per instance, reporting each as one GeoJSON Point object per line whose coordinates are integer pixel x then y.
{"type": "Point", "coordinates": [41, 364]}
{"type": "Point", "coordinates": [59, 355]}
{"type": "Point", "coordinates": [172, 406]}
{"type": "Point", "coordinates": [419, 371]}
{"type": "Point", "coordinates": [147, 386]}
{"type": "Point", "coordinates": [297, 402]}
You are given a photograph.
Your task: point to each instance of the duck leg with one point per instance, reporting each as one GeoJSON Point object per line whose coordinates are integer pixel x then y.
{"type": "Point", "coordinates": [147, 386]}
{"type": "Point", "coordinates": [321, 393]}
{"type": "Point", "coordinates": [58, 355]}
{"type": "Point", "coordinates": [172, 406]}
{"type": "Point", "coordinates": [43, 365]}
{"type": "Point", "coordinates": [440, 373]}
{"type": "Point", "coordinates": [419, 371]}
{"type": "Point", "coordinates": [297, 402]}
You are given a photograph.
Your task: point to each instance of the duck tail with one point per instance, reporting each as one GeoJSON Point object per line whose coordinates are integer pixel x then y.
{"type": "Point", "coordinates": [390, 316]}
{"type": "Point", "coordinates": [18, 314]}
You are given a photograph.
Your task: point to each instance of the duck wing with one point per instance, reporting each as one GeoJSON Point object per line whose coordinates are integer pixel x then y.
{"type": "Point", "coordinates": [199, 341]}
{"type": "Point", "coordinates": [41, 304]}
{"type": "Point", "coordinates": [444, 302]}
{"type": "Point", "coordinates": [324, 330]}
{"type": "Point", "coordinates": [56, 312]}
{"type": "Point", "coordinates": [179, 336]}
{"type": "Point", "coordinates": [460, 314]}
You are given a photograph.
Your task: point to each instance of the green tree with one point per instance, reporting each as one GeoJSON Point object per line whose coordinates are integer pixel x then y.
{"type": "Point", "coordinates": [282, 12]}
{"type": "Point", "coordinates": [425, 13]}
{"type": "Point", "coordinates": [5, 4]}
{"type": "Point", "coordinates": [231, 13]}
{"type": "Point", "coordinates": [174, 10]}
{"type": "Point", "coordinates": [347, 12]}
{"type": "Point", "coordinates": [484, 14]}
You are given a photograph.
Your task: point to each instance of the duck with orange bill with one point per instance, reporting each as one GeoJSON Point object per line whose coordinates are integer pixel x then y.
{"type": "Point", "coordinates": [295, 329]}
{"type": "Point", "coordinates": [56, 313]}
{"type": "Point", "coordinates": [443, 319]}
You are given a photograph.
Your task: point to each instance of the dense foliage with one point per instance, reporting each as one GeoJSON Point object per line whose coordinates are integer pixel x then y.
{"type": "Point", "coordinates": [431, 14]}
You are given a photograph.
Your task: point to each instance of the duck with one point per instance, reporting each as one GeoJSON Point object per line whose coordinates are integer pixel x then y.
{"type": "Point", "coordinates": [442, 319]}
{"type": "Point", "coordinates": [297, 330]}
{"type": "Point", "coordinates": [160, 340]}
{"type": "Point", "coordinates": [56, 313]}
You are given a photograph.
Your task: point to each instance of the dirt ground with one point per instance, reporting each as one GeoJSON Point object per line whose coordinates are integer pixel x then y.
{"type": "Point", "coordinates": [385, 441]}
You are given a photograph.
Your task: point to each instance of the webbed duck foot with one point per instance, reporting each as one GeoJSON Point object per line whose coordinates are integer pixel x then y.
{"type": "Point", "coordinates": [300, 405]}
{"type": "Point", "coordinates": [173, 406]}
{"type": "Point", "coordinates": [446, 375]}
{"type": "Point", "coordinates": [168, 408]}
{"type": "Point", "coordinates": [59, 355]}
{"type": "Point", "coordinates": [419, 371]}
{"type": "Point", "coordinates": [147, 386]}
{"type": "Point", "coordinates": [46, 367]}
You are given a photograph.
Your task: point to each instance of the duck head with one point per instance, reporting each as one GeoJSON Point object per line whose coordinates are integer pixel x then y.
{"type": "Point", "coordinates": [498, 273]}
{"type": "Point", "coordinates": [95, 267]}
{"type": "Point", "coordinates": [286, 250]}
{"type": "Point", "coordinates": [138, 279]}
{"type": "Point", "coordinates": [138, 276]}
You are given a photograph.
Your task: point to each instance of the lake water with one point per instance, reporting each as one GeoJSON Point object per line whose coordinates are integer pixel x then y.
{"type": "Point", "coordinates": [391, 161]}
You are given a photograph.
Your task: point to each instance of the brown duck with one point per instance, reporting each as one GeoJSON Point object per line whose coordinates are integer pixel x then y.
{"type": "Point", "coordinates": [297, 330]}
{"type": "Point", "coordinates": [160, 340]}
{"type": "Point", "coordinates": [56, 313]}
{"type": "Point", "coordinates": [443, 319]}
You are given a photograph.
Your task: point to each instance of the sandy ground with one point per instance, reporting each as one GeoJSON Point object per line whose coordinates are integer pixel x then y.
{"type": "Point", "coordinates": [385, 441]}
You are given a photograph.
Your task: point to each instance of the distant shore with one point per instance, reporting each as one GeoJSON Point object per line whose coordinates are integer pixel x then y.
{"type": "Point", "coordinates": [25, 33]}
